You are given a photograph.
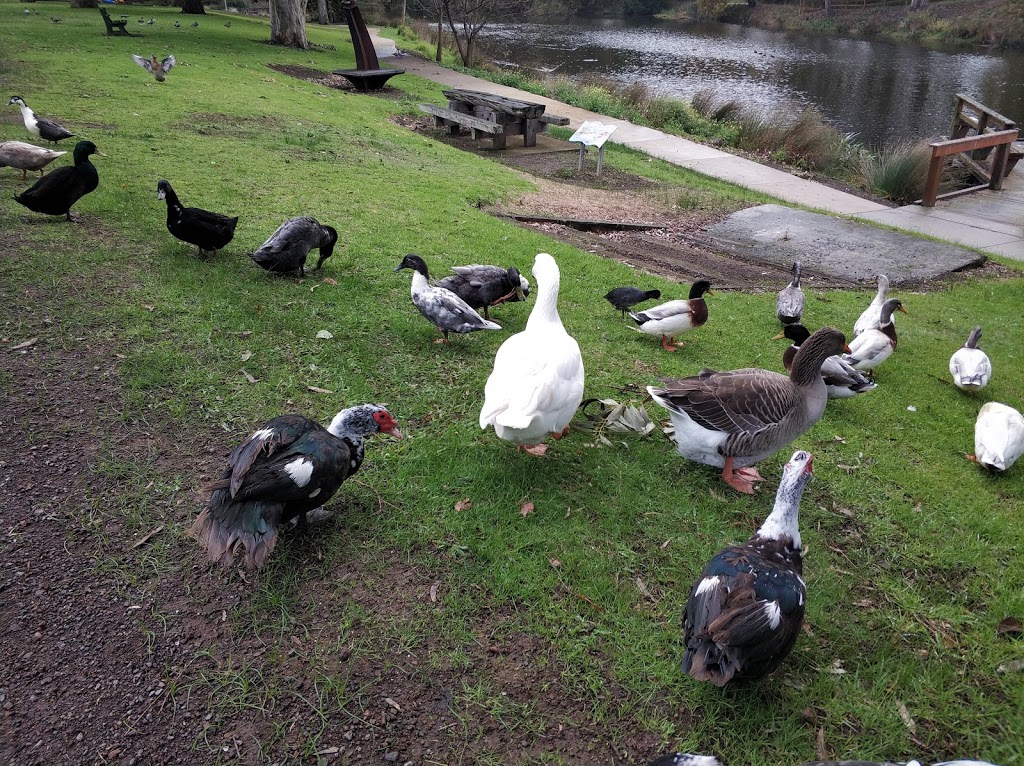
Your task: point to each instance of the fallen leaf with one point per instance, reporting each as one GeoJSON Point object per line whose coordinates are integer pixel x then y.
{"type": "Point", "coordinates": [642, 587]}
{"type": "Point", "coordinates": [526, 509]}
{"type": "Point", "coordinates": [393, 704]}
{"type": "Point", "coordinates": [433, 592]}
{"type": "Point", "coordinates": [246, 356]}
{"type": "Point", "coordinates": [243, 333]}
{"type": "Point", "coordinates": [555, 563]}
{"type": "Point", "coordinates": [329, 281]}
{"type": "Point", "coordinates": [149, 307]}
{"type": "Point", "coordinates": [819, 745]}
{"type": "Point", "coordinates": [325, 334]}
{"type": "Point", "coordinates": [1009, 626]}
{"type": "Point", "coordinates": [905, 717]}
{"type": "Point", "coordinates": [296, 640]}
{"type": "Point", "coordinates": [865, 603]}
{"type": "Point", "coordinates": [664, 545]}
{"type": "Point", "coordinates": [248, 377]}
{"type": "Point", "coordinates": [318, 390]}
{"type": "Point", "coordinates": [142, 540]}
{"type": "Point", "coordinates": [26, 344]}
{"type": "Point", "coordinates": [329, 751]}
{"type": "Point", "coordinates": [837, 668]}
{"type": "Point", "coordinates": [464, 505]}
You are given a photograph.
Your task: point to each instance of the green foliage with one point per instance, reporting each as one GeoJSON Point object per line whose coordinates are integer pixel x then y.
{"type": "Point", "coordinates": [899, 171]}
{"type": "Point", "coordinates": [709, 10]}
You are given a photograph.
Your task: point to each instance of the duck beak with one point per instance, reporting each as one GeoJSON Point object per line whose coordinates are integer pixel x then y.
{"type": "Point", "coordinates": [847, 349]}
{"type": "Point", "coordinates": [393, 431]}
{"type": "Point", "coordinates": [780, 336]}
{"type": "Point", "coordinates": [903, 310]}
{"type": "Point", "coordinates": [709, 291]}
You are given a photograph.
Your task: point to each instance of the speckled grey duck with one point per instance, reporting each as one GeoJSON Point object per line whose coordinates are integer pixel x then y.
{"type": "Point", "coordinates": [737, 418]}
{"type": "Point", "coordinates": [744, 612]}
{"type": "Point", "coordinates": [54, 194]}
{"type": "Point", "coordinates": [482, 286]}
{"type": "Point", "coordinates": [789, 305]}
{"type": "Point", "coordinates": [207, 231]}
{"type": "Point", "coordinates": [445, 310]}
{"type": "Point", "coordinates": [286, 249]}
{"type": "Point", "coordinates": [286, 468]}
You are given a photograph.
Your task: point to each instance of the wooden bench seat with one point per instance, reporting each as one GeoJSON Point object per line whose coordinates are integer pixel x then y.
{"type": "Point", "coordinates": [449, 118]}
{"type": "Point", "coordinates": [553, 119]}
{"type": "Point", "coordinates": [1016, 152]}
{"type": "Point", "coordinates": [115, 26]}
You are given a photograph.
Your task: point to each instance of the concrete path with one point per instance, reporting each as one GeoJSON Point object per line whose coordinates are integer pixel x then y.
{"type": "Point", "coordinates": [941, 221]}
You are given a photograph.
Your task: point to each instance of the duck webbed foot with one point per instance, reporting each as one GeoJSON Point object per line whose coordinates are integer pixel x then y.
{"type": "Point", "coordinates": [560, 434]}
{"type": "Point", "coordinates": [537, 450]}
{"type": "Point", "coordinates": [743, 479]}
{"type": "Point", "coordinates": [669, 343]}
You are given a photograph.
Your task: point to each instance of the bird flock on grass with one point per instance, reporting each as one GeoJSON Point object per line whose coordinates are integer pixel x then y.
{"type": "Point", "coordinates": [745, 609]}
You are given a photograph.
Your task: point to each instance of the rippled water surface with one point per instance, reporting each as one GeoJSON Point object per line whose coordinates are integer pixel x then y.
{"type": "Point", "coordinates": [882, 91]}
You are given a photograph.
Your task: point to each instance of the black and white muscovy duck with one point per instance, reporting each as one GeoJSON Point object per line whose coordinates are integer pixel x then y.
{"type": "Point", "coordinates": [482, 286]}
{"type": "Point", "coordinates": [56, 193]}
{"type": "Point", "coordinates": [745, 611]}
{"type": "Point", "coordinates": [205, 230]}
{"type": "Point", "coordinates": [668, 319]}
{"type": "Point", "coordinates": [625, 298]}
{"type": "Point", "coordinates": [446, 310]}
{"type": "Point", "coordinates": [887, 763]}
{"type": "Point", "coordinates": [875, 345]}
{"type": "Point", "coordinates": [286, 249]}
{"type": "Point", "coordinates": [789, 305]}
{"type": "Point", "coordinates": [841, 380]}
{"type": "Point", "coordinates": [288, 467]}
{"type": "Point", "coordinates": [48, 130]}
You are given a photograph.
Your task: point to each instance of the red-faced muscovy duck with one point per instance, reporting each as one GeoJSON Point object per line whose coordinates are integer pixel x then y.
{"type": "Point", "coordinates": [745, 611]}
{"type": "Point", "coordinates": [288, 467]}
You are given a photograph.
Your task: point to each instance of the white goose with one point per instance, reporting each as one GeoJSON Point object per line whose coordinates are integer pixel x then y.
{"type": "Point", "coordinates": [869, 317]}
{"type": "Point", "coordinates": [969, 365]}
{"type": "Point", "coordinates": [537, 381]}
{"type": "Point", "coordinates": [998, 436]}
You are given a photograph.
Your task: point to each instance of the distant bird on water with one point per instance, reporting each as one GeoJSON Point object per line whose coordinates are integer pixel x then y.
{"type": "Point", "coordinates": [155, 66]}
{"type": "Point", "coordinates": [624, 298]}
{"type": "Point", "coordinates": [48, 130]}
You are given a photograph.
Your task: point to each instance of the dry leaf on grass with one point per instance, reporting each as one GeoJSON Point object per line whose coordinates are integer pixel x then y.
{"type": "Point", "coordinates": [329, 281]}
{"type": "Point", "coordinates": [642, 587]}
{"type": "Point", "coordinates": [464, 505]}
{"type": "Point", "coordinates": [246, 356]}
{"type": "Point", "coordinates": [248, 377]}
{"type": "Point", "coordinates": [433, 592]}
{"type": "Point", "coordinates": [905, 717]}
{"type": "Point", "coordinates": [26, 344]}
{"type": "Point", "coordinates": [526, 509]}
{"type": "Point", "coordinates": [318, 390]}
{"type": "Point", "coordinates": [393, 704]}
{"type": "Point", "coordinates": [1009, 627]}
{"type": "Point", "coordinates": [325, 335]}
{"type": "Point", "coordinates": [555, 563]}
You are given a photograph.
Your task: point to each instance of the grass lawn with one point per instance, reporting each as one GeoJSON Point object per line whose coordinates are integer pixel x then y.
{"type": "Point", "coordinates": [554, 637]}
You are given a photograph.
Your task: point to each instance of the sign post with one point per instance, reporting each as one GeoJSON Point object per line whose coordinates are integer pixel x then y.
{"type": "Point", "coordinates": [592, 133]}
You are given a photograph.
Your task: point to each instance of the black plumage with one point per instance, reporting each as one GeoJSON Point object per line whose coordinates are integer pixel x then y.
{"type": "Point", "coordinates": [55, 193]}
{"type": "Point", "coordinates": [48, 130]}
{"type": "Point", "coordinates": [482, 286]}
{"type": "Point", "coordinates": [205, 230]}
{"type": "Point", "coordinates": [445, 310]}
{"type": "Point", "coordinates": [624, 298]}
{"type": "Point", "coordinates": [286, 249]}
{"type": "Point", "coordinates": [285, 469]}
{"type": "Point", "coordinates": [745, 610]}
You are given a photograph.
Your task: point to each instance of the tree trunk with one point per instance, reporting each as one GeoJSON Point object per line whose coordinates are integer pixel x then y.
{"type": "Point", "coordinates": [288, 23]}
{"type": "Point", "coordinates": [84, 4]}
{"type": "Point", "coordinates": [192, 6]}
{"type": "Point", "coordinates": [321, 12]}
{"type": "Point", "coordinates": [829, 10]}
{"type": "Point", "coordinates": [440, 34]}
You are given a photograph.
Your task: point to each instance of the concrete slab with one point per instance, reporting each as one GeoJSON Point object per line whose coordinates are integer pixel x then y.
{"type": "Point", "coordinates": [840, 249]}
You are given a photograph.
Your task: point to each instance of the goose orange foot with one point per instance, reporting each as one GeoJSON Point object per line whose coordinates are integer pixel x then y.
{"type": "Point", "coordinates": [668, 342]}
{"type": "Point", "coordinates": [537, 450]}
{"type": "Point", "coordinates": [741, 479]}
{"type": "Point", "coordinates": [560, 434]}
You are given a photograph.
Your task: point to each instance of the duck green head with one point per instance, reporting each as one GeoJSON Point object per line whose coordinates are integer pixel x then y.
{"type": "Point", "coordinates": [83, 149]}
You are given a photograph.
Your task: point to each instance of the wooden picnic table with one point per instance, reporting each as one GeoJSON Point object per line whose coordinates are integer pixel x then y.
{"type": "Point", "coordinates": [495, 115]}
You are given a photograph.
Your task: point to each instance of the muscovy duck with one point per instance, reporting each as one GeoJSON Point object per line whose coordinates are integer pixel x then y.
{"type": "Point", "coordinates": [625, 298]}
{"type": "Point", "coordinates": [286, 249]}
{"type": "Point", "coordinates": [445, 310]}
{"type": "Point", "coordinates": [537, 381]}
{"type": "Point", "coordinates": [735, 419]}
{"type": "Point", "coordinates": [745, 611]}
{"type": "Point", "coordinates": [667, 319]}
{"type": "Point", "coordinates": [970, 366]}
{"type": "Point", "coordinates": [56, 193]}
{"type": "Point", "coordinates": [285, 469]}
{"type": "Point", "coordinates": [205, 230]}
{"type": "Point", "coordinates": [483, 286]}
{"type": "Point", "coordinates": [789, 306]}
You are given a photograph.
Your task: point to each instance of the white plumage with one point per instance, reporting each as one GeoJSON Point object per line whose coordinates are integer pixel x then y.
{"type": "Point", "coordinates": [868, 319]}
{"type": "Point", "coordinates": [970, 366]}
{"type": "Point", "coordinates": [998, 436]}
{"type": "Point", "coordinates": [537, 381]}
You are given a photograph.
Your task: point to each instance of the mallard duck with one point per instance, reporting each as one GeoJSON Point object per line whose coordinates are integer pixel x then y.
{"type": "Point", "coordinates": [483, 286]}
{"type": "Point", "coordinates": [286, 468]}
{"type": "Point", "coordinates": [735, 419]}
{"type": "Point", "coordinates": [56, 193]}
{"type": "Point", "coordinates": [48, 130]}
{"type": "Point", "coordinates": [868, 319]}
{"type": "Point", "coordinates": [969, 365]}
{"type": "Point", "coordinates": [841, 380]}
{"type": "Point", "coordinates": [25, 157]}
{"type": "Point", "coordinates": [537, 381]}
{"type": "Point", "coordinates": [287, 248]}
{"type": "Point", "coordinates": [155, 66]}
{"type": "Point", "coordinates": [207, 231]}
{"type": "Point", "coordinates": [745, 611]}
{"type": "Point", "coordinates": [177, 25]}
{"type": "Point", "coordinates": [447, 311]}
{"type": "Point", "coordinates": [872, 347]}
{"type": "Point", "coordinates": [667, 319]}
{"type": "Point", "coordinates": [625, 298]}
{"type": "Point", "coordinates": [998, 436]}
{"type": "Point", "coordinates": [789, 306]}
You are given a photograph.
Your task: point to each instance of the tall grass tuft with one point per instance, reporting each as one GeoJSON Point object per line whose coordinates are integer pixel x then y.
{"type": "Point", "coordinates": [897, 172]}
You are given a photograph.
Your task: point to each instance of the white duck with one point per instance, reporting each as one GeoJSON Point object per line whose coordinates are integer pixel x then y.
{"type": "Point", "coordinates": [874, 346]}
{"type": "Point", "coordinates": [969, 365]}
{"type": "Point", "coordinates": [998, 436]}
{"type": "Point", "coordinates": [667, 319]}
{"type": "Point", "coordinates": [537, 381]}
{"type": "Point", "coordinates": [789, 306]}
{"type": "Point", "coordinates": [869, 317]}
{"type": "Point", "coordinates": [25, 157]}
{"type": "Point", "coordinates": [447, 311]}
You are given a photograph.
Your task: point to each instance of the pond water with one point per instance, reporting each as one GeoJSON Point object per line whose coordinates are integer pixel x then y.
{"type": "Point", "coordinates": [881, 91]}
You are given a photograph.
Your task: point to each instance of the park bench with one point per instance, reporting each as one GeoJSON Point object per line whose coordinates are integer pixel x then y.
{"type": "Point", "coordinates": [452, 119]}
{"type": "Point", "coordinates": [493, 115]}
{"type": "Point", "coordinates": [1016, 152]}
{"type": "Point", "coordinates": [369, 75]}
{"type": "Point", "coordinates": [115, 27]}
